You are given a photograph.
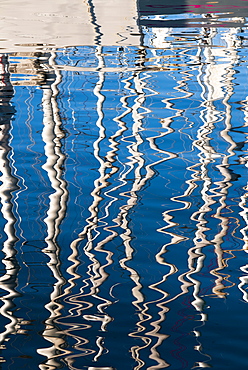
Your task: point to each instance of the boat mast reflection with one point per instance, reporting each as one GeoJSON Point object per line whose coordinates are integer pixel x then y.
{"type": "Point", "coordinates": [9, 185]}
{"type": "Point", "coordinates": [52, 136]}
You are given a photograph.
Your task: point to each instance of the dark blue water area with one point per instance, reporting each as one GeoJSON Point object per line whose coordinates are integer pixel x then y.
{"type": "Point", "coordinates": [124, 208]}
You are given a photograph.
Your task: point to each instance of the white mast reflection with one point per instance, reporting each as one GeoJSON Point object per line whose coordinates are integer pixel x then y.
{"type": "Point", "coordinates": [9, 184]}
{"type": "Point", "coordinates": [52, 135]}
{"type": "Point", "coordinates": [207, 154]}
{"type": "Point", "coordinates": [137, 164]}
{"type": "Point", "coordinates": [244, 231]}
{"type": "Point", "coordinates": [96, 271]}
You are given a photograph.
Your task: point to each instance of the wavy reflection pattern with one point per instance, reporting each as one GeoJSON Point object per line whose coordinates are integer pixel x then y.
{"type": "Point", "coordinates": [8, 188]}
{"type": "Point", "coordinates": [123, 204]}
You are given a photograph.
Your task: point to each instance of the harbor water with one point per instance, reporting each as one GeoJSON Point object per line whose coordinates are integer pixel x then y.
{"type": "Point", "coordinates": [123, 185]}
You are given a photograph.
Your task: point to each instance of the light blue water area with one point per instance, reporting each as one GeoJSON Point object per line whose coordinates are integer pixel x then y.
{"type": "Point", "coordinates": [124, 204]}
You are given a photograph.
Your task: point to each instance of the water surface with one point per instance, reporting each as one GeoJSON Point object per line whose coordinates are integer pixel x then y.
{"type": "Point", "coordinates": [123, 158]}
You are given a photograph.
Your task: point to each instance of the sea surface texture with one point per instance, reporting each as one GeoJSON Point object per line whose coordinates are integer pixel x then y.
{"type": "Point", "coordinates": [123, 185]}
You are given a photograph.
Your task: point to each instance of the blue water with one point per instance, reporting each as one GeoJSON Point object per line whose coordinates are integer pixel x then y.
{"type": "Point", "coordinates": [124, 204]}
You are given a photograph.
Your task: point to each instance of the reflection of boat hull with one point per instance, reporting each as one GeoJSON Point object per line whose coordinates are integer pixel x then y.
{"type": "Point", "coordinates": [157, 7]}
{"type": "Point", "coordinates": [214, 10]}
{"type": "Point", "coordinates": [33, 26]}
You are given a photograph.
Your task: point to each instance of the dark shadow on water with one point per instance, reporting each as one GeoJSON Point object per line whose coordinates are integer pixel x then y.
{"type": "Point", "coordinates": [223, 13]}
{"type": "Point", "coordinates": [6, 93]}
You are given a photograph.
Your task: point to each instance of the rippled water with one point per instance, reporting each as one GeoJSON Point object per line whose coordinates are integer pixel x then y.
{"type": "Point", "coordinates": [123, 157]}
